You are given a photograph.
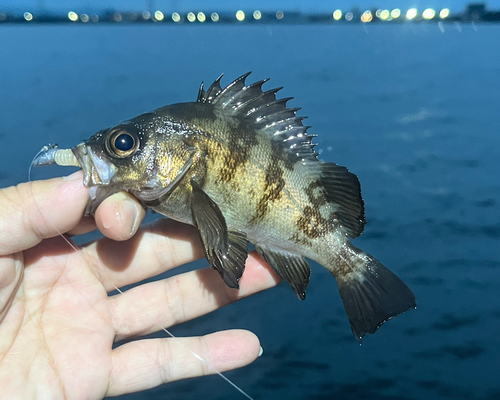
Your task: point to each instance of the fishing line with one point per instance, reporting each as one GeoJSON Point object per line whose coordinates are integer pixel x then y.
{"type": "Point", "coordinates": [89, 260]}
{"type": "Point", "coordinates": [100, 267]}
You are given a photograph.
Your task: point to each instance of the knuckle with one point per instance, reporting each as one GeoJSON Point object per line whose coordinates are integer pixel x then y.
{"type": "Point", "coordinates": [164, 361]}
{"type": "Point", "coordinates": [175, 298]}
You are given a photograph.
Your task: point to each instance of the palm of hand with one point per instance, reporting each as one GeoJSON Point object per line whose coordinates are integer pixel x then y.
{"type": "Point", "coordinates": [58, 324]}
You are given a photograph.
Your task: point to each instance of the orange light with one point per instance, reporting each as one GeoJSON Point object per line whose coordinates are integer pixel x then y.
{"type": "Point", "coordinates": [367, 16]}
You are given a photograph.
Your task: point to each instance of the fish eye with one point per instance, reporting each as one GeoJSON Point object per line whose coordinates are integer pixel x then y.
{"type": "Point", "coordinates": [121, 143]}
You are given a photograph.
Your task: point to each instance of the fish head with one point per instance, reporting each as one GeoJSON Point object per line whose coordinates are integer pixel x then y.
{"type": "Point", "coordinates": [141, 156]}
{"type": "Point", "coordinates": [112, 157]}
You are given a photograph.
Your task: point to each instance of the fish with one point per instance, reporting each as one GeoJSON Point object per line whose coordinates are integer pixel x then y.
{"type": "Point", "coordinates": [240, 166]}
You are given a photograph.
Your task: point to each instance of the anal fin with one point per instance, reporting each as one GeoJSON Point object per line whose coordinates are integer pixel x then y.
{"type": "Point", "coordinates": [226, 251]}
{"type": "Point", "coordinates": [291, 267]}
{"type": "Point", "coordinates": [372, 295]}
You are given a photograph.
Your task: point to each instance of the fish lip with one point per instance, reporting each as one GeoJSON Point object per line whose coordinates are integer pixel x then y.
{"type": "Point", "coordinates": [97, 170]}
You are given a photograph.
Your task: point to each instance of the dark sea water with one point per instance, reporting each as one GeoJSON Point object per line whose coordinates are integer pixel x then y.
{"type": "Point", "coordinates": [412, 110]}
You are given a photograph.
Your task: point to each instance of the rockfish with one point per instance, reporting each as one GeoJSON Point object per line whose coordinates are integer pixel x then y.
{"type": "Point", "coordinates": [239, 165]}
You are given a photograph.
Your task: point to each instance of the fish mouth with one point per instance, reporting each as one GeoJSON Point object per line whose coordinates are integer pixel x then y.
{"type": "Point", "coordinates": [97, 170]}
{"type": "Point", "coordinates": [98, 173]}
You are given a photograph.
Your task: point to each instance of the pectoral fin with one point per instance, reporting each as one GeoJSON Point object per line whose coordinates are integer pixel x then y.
{"type": "Point", "coordinates": [226, 251]}
{"type": "Point", "coordinates": [292, 268]}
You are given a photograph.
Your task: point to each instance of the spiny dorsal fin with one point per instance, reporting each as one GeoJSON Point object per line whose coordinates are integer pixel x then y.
{"type": "Point", "coordinates": [271, 116]}
{"type": "Point", "coordinates": [212, 92]}
{"type": "Point", "coordinates": [262, 110]}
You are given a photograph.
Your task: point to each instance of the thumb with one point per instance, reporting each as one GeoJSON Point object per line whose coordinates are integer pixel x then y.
{"type": "Point", "coordinates": [33, 211]}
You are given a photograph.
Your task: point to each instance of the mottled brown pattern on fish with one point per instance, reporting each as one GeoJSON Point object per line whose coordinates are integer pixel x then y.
{"type": "Point", "coordinates": [200, 167]}
{"type": "Point", "coordinates": [236, 153]}
{"type": "Point", "coordinates": [231, 160]}
{"type": "Point", "coordinates": [317, 200]}
{"type": "Point", "coordinates": [300, 239]}
{"type": "Point", "coordinates": [274, 183]}
{"type": "Point", "coordinates": [278, 150]}
{"type": "Point", "coordinates": [271, 188]}
{"type": "Point", "coordinates": [313, 224]}
{"type": "Point", "coordinates": [348, 265]}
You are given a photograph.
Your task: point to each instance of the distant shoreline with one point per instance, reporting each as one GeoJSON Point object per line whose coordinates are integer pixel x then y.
{"type": "Point", "coordinates": [473, 13]}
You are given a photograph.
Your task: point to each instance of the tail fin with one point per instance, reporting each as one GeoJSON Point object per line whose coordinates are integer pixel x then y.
{"type": "Point", "coordinates": [372, 294]}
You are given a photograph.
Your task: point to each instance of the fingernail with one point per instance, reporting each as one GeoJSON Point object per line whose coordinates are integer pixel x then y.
{"type": "Point", "coordinates": [261, 351]}
{"type": "Point", "coordinates": [74, 176]}
{"type": "Point", "coordinates": [129, 214]}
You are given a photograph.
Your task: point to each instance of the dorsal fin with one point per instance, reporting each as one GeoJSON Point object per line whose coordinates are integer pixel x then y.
{"type": "Point", "coordinates": [262, 110]}
{"type": "Point", "coordinates": [212, 92]}
{"type": "Point", "coordinates": [342, 190]}
{"type": "Point", "coordinates": [271, 116]}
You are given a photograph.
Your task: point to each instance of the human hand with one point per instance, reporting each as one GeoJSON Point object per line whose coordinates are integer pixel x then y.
{"type": "Point", "coordinates": [57, 322]}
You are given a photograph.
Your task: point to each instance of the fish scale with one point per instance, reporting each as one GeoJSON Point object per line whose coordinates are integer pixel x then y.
{"type": "Point", "coordinates": [240, 166]}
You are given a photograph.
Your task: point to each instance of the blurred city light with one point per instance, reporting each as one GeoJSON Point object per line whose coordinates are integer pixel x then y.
{"type": "Point", "coordinates": [396, 13]}
{"type": "Point", "coordinates": [429, 13]}
{"type": "Point", "coordinates": [411, 13]}
{"type": "Point", "coordinates": [367, 16]}
{"type": "Point", "coordinates": [73, 16]}
{"type": "Point", "coordinates": [240, 15]}
{"type": "Point", "coordinates": [444, 13]}
{"type": "Point", "coordinates": [159, 15]}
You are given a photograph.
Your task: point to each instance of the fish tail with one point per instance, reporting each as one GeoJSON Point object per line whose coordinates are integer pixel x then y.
{"type": "Point", "coordinates": [370, 292]}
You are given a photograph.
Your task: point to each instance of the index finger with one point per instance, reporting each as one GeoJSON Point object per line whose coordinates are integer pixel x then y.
{"type": "Point", "coordinates": [33, 211]}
